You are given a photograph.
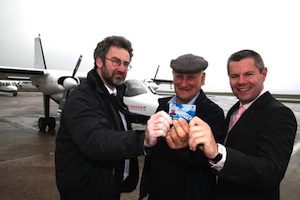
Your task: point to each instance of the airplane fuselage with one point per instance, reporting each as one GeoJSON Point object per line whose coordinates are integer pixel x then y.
{"type": "Point", "coordinates": [54, 83]}
{"type": "Point", "coordinates": [8, 86]}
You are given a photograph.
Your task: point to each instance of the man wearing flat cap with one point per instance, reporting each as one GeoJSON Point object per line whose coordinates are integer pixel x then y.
{"type": "Point", "coordinates": [171, 170]}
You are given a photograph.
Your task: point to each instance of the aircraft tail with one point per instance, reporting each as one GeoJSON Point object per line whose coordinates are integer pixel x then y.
{"type": "Point", "coordinates": [39, 59]}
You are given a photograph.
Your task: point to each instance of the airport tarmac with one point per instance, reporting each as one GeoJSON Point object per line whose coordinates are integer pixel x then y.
{"type": "Point", "coordinates": [27, 157]}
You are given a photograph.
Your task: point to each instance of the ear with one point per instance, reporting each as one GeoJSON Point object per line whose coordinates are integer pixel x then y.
{"type": "Point", "coordinates": [264, 71]}
{"type": "Point", "coordinates": [203, 78]}
{"type": "Point", "coordinates": [99, 62]}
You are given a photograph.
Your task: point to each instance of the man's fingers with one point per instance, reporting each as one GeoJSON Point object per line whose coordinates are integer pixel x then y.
{"type": "Point", "coordinates": [195, 142]}
{"type": "Point", "coordinates": [157, 130]}
{"type": "Point", "coordinates": [159, 124]}
{"type": "Point", "coordinates": [164, 115]}
{"type": "Point", "coordinates": [174, 141]}
{"type": "Point", "coordinates": [184, 124]}
{"type": "Point", "coordinates": [196, 121]}
{"type": "Point", "coordinates": [181, 128]}
{"type": "Point", "coordinates": [196, 136]}
{"type": "Point", "coordinates": [174, 136]}
{"type": "Point", "coordinates": [170, 142]}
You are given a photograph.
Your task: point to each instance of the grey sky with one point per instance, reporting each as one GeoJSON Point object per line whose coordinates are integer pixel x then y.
{"type": "Point", "coordinates": [159, 31]}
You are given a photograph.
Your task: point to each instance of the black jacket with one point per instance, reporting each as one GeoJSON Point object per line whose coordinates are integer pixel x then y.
{"type": "Point", "coordinates": [182, 174]}
{"type": "Point", "coordinates": [259, 147]}
{"type": "Point", "coordinates": [91, 145]}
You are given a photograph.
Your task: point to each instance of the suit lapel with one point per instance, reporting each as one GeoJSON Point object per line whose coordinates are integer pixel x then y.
{"type": "Point", "coordinates": [248, 116]}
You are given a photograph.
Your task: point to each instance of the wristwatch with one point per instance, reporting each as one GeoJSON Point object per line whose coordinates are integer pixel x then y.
{"type": "Point", "coordinates": [216, 159]}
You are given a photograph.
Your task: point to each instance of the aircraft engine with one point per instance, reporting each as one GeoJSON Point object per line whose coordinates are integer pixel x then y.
{"type": "Point", "coordinates": [70, 83]}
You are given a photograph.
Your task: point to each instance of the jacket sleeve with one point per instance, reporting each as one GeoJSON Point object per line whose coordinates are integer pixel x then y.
{"type": "Point", "coordinates": [213, 115]}
{"type": "Point", "coordinates": [90, 125]}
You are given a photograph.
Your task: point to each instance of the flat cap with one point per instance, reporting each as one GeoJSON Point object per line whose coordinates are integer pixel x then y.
{"type": "Point", "coordinates": [189, 64]}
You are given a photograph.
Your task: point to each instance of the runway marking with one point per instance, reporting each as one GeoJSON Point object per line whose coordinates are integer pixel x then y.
{"type": "Point", "coordinates": [26, 158]}
{"type": "Point", "coordinates": [296, 148]}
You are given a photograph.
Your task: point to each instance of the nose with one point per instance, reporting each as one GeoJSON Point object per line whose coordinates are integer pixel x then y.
{"type": "Point", "coordinates": [184, 82]}
{"type": "Point", "coordinates": [122, 68]}
{"type": "Point", "coordinates": [241, 80]}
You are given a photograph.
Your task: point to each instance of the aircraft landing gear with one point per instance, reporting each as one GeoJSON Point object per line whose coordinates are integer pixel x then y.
{"type": "Point", "coordinates": [47, 122]}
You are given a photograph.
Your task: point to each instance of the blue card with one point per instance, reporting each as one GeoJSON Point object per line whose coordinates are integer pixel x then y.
{"type": "Point", "coordinates": [185, 111]}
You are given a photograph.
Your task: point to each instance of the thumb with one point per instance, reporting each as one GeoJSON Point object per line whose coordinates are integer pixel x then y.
{"type": "Point", "coordinates": [196, 121]}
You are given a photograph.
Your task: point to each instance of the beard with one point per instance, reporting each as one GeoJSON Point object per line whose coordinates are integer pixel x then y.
{"type": "Point", "coordinates": [114, 79]}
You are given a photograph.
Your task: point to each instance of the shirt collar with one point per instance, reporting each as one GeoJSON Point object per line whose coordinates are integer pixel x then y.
{"type": "Point", "coordinates": [191, 102]}
{"type": "Point", "coordinates": [114, 91]}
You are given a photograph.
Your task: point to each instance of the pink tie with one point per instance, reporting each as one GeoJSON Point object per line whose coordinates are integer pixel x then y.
{"type": "Point", "coordinates": [237, 116]}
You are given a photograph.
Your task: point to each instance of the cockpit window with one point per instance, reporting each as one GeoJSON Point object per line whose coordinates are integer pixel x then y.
{"type": "Point", "coordinates": [134, 87]}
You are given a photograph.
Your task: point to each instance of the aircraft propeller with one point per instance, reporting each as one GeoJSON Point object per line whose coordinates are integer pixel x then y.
{"type": "Point", "coordinates": [69, 83]}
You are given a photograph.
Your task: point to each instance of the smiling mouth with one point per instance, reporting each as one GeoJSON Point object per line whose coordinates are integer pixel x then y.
{"type": "Point", "coordinates": [243, 89]}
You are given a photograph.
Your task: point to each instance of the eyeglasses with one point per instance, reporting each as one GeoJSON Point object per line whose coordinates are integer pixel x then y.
{"type": "Point", "coordinates": [116, 62]}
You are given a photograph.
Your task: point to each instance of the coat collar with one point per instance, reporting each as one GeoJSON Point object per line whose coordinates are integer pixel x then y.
{"type": "Point", "coordinates": [94, 79]}
{"type": "Point", "coordinates": [258, 103]}
{"type": "Point", "coordinates": [254, 109]}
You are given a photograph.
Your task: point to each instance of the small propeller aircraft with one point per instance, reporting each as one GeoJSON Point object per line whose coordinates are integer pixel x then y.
{"type": "Point", "coordinates": [140, 96]}
{"type": "Point", "coordinates": [54, 84]}
{"type": "Point", "coordinates": [9, 87]}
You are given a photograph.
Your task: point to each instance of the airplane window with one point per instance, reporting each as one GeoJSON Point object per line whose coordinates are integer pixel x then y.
{"type": "Point", "coordinates": [134, 87]}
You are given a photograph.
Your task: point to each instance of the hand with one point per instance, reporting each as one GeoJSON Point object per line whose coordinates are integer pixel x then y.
{"type": "Point", "coordinates": [178, 135]}
{"type": "Point", "coordinates": [157, 126]}
{"type": "Point", "coordinates": [200, 136]}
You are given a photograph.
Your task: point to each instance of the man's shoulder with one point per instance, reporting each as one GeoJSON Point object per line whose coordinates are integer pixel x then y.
{"type": "Point", "coordinates": [275, 105]}
{"type": "Point", "coordinates": [208, 103]}
{"type": "Point", "coordinates": [82, 91]}
{"type": "Point", "coordinates": [268, 101]}
{"type": "Point", "coordinates": [164, 100]}
{"type": "Point", "coordinates": [82, 88]}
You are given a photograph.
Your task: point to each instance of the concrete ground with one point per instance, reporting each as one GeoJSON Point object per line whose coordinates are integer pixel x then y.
{"type": "Point", "coordinates": [27, 158]}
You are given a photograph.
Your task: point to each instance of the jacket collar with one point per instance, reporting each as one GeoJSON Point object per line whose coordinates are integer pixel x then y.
{"type": "Point", "coordinates": [201, 97]}
{"type": "Point", "coordinates": [94, 79]}
{"type": "Point", "coordinates": [255, 107]}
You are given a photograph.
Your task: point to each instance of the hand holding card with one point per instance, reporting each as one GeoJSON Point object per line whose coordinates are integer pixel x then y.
{"type": "Point", "coordinates": [178, 136]}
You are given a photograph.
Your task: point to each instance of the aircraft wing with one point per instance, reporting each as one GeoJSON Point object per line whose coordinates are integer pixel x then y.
{"type": "Point", "coordinates": [19, 73]}
{"type": "Point", "coordinates": [159, 81]}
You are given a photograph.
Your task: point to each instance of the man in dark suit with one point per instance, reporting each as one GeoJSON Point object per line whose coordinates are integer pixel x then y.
{"type": "Point", "coordinates": [254, 157]}
{"type": "Point", "coordinates": [171, 170]}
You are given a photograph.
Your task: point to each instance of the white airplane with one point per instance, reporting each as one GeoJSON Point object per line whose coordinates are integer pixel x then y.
{"type": "Point", "coordinates": [26, 86]}
{"type": "Point", "coordinates": [9, 87]}
{"type": "Point", "coordinates": [52, 83]}
{"type": "Point", "coordinates": [56, 84]}
{"type": "Point", "coordinates": [14, 86]}
{"type": "Point", "coordinates": [140, 96]}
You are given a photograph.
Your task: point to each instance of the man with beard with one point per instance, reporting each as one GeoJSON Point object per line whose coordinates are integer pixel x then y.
{"type": "Point", "coordinates": [96, 150]}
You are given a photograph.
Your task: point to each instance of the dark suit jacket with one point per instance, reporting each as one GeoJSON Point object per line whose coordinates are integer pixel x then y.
{"type": "Point", "coordinates": [182, 174]}
{"type": "Point", "coordinates": [259, 147]}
